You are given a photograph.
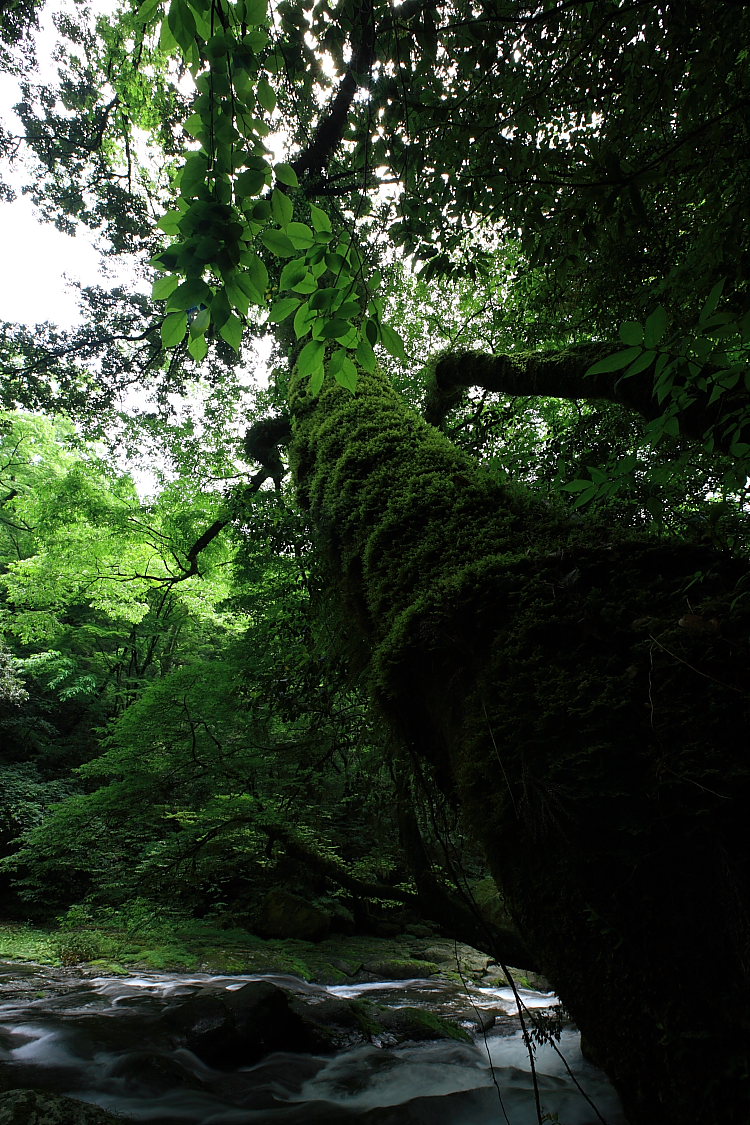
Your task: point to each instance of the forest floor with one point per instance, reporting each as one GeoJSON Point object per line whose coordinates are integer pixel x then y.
{"type": "Point", "coordinates": [188, 945]}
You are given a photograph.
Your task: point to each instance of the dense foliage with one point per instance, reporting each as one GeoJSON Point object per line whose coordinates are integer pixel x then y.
{"type": "Point", "coordinates": [527, 223]}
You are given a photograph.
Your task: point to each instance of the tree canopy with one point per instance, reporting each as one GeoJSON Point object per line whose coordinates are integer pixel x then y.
{"type": "Point", "coordinates": [434, 359]}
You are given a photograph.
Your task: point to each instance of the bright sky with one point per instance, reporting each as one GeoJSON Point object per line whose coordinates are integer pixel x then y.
{"type": "Point", "coordinates": [37, 258]}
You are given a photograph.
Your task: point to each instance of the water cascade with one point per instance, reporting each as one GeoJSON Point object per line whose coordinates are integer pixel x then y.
{"type": "Point", "coordinates": [112, 1041]}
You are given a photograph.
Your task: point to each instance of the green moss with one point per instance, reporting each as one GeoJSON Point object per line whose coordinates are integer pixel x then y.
{"type": "Point", "coordinates": [109, 968]}
{"type": "Point", "coordinates": [419, 1024]}
{"type": "Point", "coordinates": [168, 958]}
{"type": "Point", "coordinates": [26, 943]}
{"type": "Point", "coordinates": [601, 763]}
{"type": "Point", "coordinates": [368, 1018]}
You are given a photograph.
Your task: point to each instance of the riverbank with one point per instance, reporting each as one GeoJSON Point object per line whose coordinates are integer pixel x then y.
{"type": "Point", "coordinates": [195, 946]}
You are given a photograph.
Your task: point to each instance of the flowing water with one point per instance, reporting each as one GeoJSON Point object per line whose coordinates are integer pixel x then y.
{"type": "Point", "coordinates": [101, 1040]}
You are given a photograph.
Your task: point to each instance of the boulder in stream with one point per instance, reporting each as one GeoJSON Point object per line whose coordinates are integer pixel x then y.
{"type": "Point", "coordinates": [231, 1028]}
{"type": "Point", "coordinates": [228, 1028]}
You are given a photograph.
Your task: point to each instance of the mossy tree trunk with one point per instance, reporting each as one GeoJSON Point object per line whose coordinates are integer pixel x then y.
{"type": "Point", "coordinates": [585, 699]}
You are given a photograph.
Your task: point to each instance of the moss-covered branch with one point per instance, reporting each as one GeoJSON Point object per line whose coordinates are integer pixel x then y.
{"type": "Point", "coordinates": [262, 443]}
{"type": "Point", "coordinates": [562, 374]}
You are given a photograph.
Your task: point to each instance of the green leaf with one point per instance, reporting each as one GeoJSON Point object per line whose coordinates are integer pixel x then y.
{"type": "Point", "coordinates": [301, 235]}
{"type": "Point", "coordinates": [167, 41]}
{"type": "Point", "coordinates": [194, 125]}
{"type": "Point", "coordinates": [656, 326]}
{"type": "Point", "coordinates": [266, 95]}
{"type": "Point", "coordinates": [292, 274]}
{"type": "Point", "coordinates": [216, 48]}
{"type": "Point", "coordinates": [393, 343]}
{"type": "Point", "coordinates": [182, 24]}
{"type": "Point", "coordinates": [347, 375]}
{"type": "Point", "coordinates": [316, 380]}
{"type": "Point", "coordinates": [712, 301]}
{"type": "Point", "coordinates": [631, 333]}
{"type": "Point", "coordinates": [163, 286]}
{"type": "Point", "coordinates": [173, 329]}
{"type": "Point", "coordinates": [320, 220]}
{"type": "Point", "coordinates": [236, 295]}
{"type": "Point", "coordinates": [311, 357]}
{"type": "Point", "coordinates": [231, 331]}
{"type": "Point", "coordinates": [285, 174]}
{"type": "Point", "coordinates": [644, 360]}
{"type": "Point", "coordinates": [201, 323]}
{"type": "Point", "coordinates": [307, 284]}
{"type": "Point", "coordinates": [585, 497]}
{"type": "Point", "coordinates": [146, 11]}
{"type": "Point", "coordinates": [254, 280]}
{"type": "Point", "coordinates": [335, 329]}
{"type": "Point", "coordinates": [256, 12]}
{"type": "Point", "coordinates": [282, 208]}
{"type": "Point", "coordinates": [220, 308]}
{"type": "Point", "coordinates": [170, 223]}
{"type": "Point", "coordinates": [280, 310]}
{"type": "Point", "coordinates": [576, 486]}
{"type": "Point", "coordinates": [198, 348]}
{"type": "Point", "coordinates": [194, 174]}
{"type": "Point", "coordinates": [303, 320]}
{"type": "Point", "coordinates": [325, 299]}
{"type": "Point", "coordinates": [191, 292]}
{"type": "Point", "coordinates": [261, 212]}
{"type": "Point", "coordinates": [614, 362]}
{"type": "Point", "coordinates": [366, 356]}
{"type": "Point", "coordinates": [278, 243]}
{"type": "Point", "coordinates": [248, 184]}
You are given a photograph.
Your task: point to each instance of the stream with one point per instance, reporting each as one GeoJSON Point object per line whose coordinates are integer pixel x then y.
{"type": "Point", "coordinates": [103, 1040]}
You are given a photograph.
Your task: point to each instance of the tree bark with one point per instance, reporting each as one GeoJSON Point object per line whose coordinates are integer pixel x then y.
{"type": "Point", "coordinates": [562, 374]}
{"type": "Point", "coordinates": [584, 696]}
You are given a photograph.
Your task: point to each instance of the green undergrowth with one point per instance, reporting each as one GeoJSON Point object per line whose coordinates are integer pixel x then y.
{"type": "Point", "coordinates": [199, 946]}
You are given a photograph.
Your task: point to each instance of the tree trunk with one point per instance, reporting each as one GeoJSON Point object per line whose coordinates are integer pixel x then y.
{"type": "Point", "coordinates": [584, 696]}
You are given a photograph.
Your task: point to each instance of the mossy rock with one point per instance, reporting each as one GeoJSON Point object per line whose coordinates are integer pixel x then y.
{"type": "Point", "coordinates": [31, 1107]}
{"type": "Point", "coordinates": [401, 969]}
{"type": "Point", "coordinates": [421, 1026]}
{"type": "Point", "coordinates": [108, 968]}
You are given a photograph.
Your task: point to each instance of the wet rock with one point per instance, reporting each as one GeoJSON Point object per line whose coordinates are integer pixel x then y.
{"type": "Point", "coordinates": [418, 930]}
{"type": "Point", "coordinates": [333, 1024]}
{"type": "Point", "coordinates": [154, 1071]}
{"type": "Point", "coordinates": [236, 1028]}
{"type": "Point", "coordinates": [401, 969]}
{"type": "Point", "coordinates": [453, 957]}
{"type": "Point", "coordinates": [495, 976]}
{"type": "Point", "coordinates": [30, 1107]}
{"type": "Point", "coordinates": [420, 1026]}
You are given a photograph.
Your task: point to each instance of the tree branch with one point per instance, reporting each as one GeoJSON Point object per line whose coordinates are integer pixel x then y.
{"type": "Point", "coordinates": [562, 374]}
{"type": "Point", "coordinates": [313, 160]}
{"type": "Point", "coordinates": [262, 443]}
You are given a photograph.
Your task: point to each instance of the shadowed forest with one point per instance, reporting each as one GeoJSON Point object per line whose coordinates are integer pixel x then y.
{"type": "Point", "coordinates": [373, 550]}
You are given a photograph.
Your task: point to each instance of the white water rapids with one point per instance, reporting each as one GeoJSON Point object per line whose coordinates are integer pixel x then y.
{"type": "Point", "coordinates": [96, 1039]}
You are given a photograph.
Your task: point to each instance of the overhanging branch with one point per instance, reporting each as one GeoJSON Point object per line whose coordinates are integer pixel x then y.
{"type": "Point", "coordinates": [563, 374]}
